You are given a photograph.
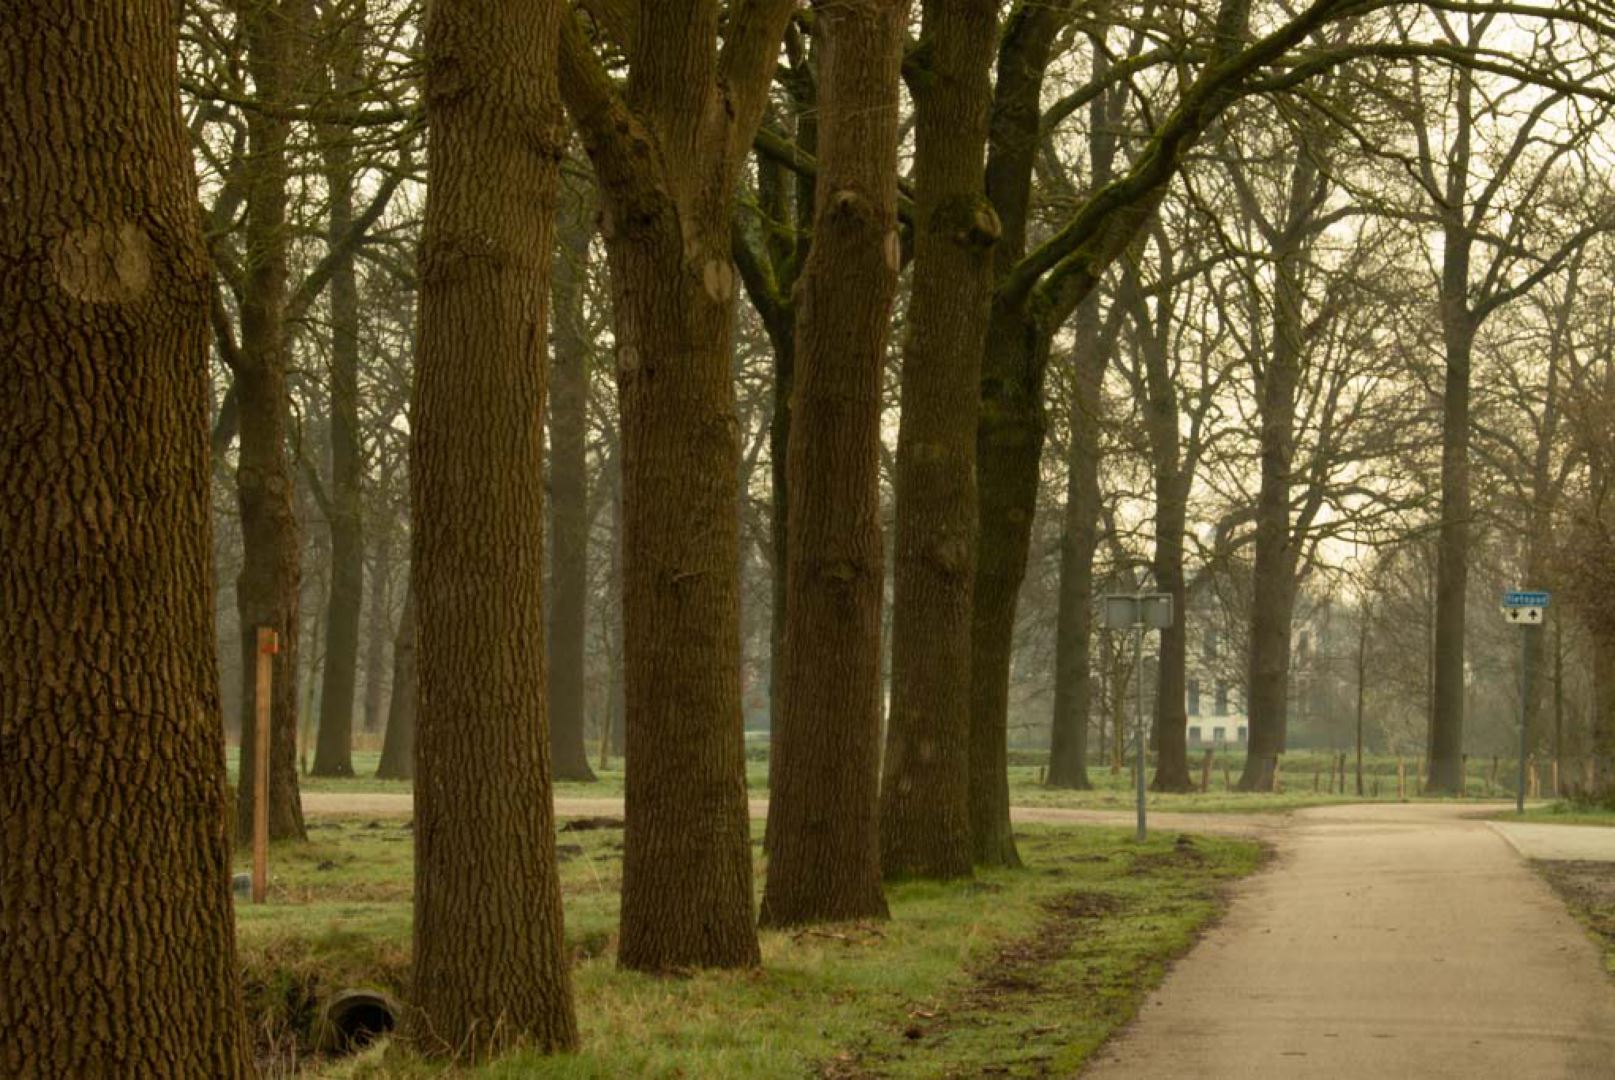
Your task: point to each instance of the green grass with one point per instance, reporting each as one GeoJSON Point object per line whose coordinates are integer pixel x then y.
{"type": "Point", "coordinates": [1304, 776]}
{"type": "Point", "coordinates": [1028, 970]}
{"type": "Point", "coordinates": [1563, 812]}
{"type": "Point", "coordinates": [1588, 890]}
{"type": "Point", "coordinates": [1112, 791]}
{"type": "Point", "coordinates": [607, 783]}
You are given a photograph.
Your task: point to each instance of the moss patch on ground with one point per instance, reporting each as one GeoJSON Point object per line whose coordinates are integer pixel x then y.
{"type": "Point", "coordinates": [1016, 973]}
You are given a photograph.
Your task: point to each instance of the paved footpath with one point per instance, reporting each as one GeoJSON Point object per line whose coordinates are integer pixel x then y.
{"type": "Point", "coordinates": [1387, 941]}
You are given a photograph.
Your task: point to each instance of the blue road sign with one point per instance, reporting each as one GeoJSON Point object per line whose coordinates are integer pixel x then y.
{"type": "Point", "coordinates": [1525, 599]}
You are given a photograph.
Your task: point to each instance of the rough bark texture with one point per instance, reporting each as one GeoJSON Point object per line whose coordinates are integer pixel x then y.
{"type": "Point", "coordinates": [925, 793]}
{"type": "Point", "coordinates": [378, 636]}
{"type": "Point", "coordinates": [1458, 328]}
{"type": "Point", "coordinates": [1171, 722]}
{"type": "Point", "coordinates": [1172, 468]}
{"type": "Point", "coordinates": [1603, 733]}
{"type": "Point", "coordinates": [1035, 295]}
{"type": "Point", "coordinates": [1079, 540]}
{"type": "Point", "coordinates": [1009, 431]}
{"type": "Point", "coordinates": [398, 747]}
{"type": "Point", "coordinates": [1452, 567]}
{"type": "Point", "coordinates": [569, 495]}
{"type": "Point", "coordinates": [333, 753]}
{"type": "Point", "coordinates": [490, 961]}
{"type": "Point", "coordinates": [667, 151]}
{"type": "Point", "coordinates": [267, 591]}
{"type": "Point", "coordinates": [1274, 561]}
{"type": "Point", "coordinates": [117, 950]}
{"type": "Point", "coordinates": [824, 841]}
{"type": "Point", "coordinates": [770, 277]}
{"type": "Point", "coordinates": [1079, 537]}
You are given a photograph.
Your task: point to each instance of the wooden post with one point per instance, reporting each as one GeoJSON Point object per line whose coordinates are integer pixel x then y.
{"type": "Point", "coordinates": [268, 646]}
{"type": "Point", "coordinates": [1317, 773]}
{"type": "Point", "coordinates": [1278, 784]}
{"type": "Point", "coordinates": [1553, 773]}
{"type": "Point", "coordinates": [1491, 785]}
{"type": "Point", "coordinates": [1419, 779]}
{"type": "Point", "coordinates": [1401, 780]}
{"type": "Point", "coordinates": [1205, 772]}
{"type": "Point", "coordinates": [1535, 786]}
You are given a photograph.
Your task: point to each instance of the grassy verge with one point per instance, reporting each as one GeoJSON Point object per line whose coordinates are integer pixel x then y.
{"type": "Point", "coordinates": [1305, 779]}
{"type": "Point", "coordinates": [1588, 889]}
{"type": "Point", "coordinates": [1563, 812]}
{"type": "Point", "coordinates": [1020, 973]}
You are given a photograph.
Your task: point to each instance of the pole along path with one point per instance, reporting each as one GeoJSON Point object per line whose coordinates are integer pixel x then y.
{"type": "Point", "coordinates": [1388, 940]}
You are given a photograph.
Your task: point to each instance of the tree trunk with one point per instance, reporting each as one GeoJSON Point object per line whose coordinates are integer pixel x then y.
{"type": "Point", "coordinates": [1273, 583]}
{"type": "Point", "coordinates": [268, 589]}
{"type": "Point", "coordinates": [117, 949]}
{"type": "Point", "coordinates": [1171, 728]}
{"type": "Point", "coordinates": [569, 495]}
{"type": "Point", "coordinates": [687, 875]}
{"type": "Point", "coordinates": [379, 633]}
{"type": "Point", "coordinates": [668, 152]}
{"type": "Point", "coordinates": [925, 793]}
{"type": "Point", "coordinates": [616, 699]}
{"type": "Point", "coordinates": [1009, 445]}
{"type": "Point", "coordinates": [490, 960]}
{"type": "Point", "coordinates": [824, 843]}
{"type": "Point", "coordinates": [1009, 430]}
{"type": "Point", "coordinates": [333, 754]}
{"type": "Point", "coordinates": [1079, 539]}
{"type": "Point", "coordinates": [783, 198]}
{"type": "Point", "coordinates": [1603, 733]}
{"type": "Point", "coordinates": [398, 748]}
{"type": "Point", "coordinates": [1452, 567]}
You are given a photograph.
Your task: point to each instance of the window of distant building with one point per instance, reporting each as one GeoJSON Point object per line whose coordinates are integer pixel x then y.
{"type": "Point", "coordinates": [1194, 736]}
{"type": "Point", "coordinates": [1220, 735]}
{"type": "Point", "coordinates": [1222, 698]}
{"type": "Point", "coordinates": [1242, 733]}
{"type": "Point", "coordinates": [1194, 697]}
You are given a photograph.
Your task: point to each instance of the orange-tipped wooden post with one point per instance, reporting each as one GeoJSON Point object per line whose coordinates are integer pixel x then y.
{"type": "Point", "coordinates": [268, 646]}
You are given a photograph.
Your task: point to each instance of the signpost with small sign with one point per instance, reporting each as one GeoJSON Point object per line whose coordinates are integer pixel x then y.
{"type": "Point", "coordinates": [1139, 612]}
{"type": "Point", "coordinates": [1525, 609]}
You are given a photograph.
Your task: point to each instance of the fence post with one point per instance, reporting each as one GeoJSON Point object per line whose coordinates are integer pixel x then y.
{"type": "Point", "coordinates": [1205, 772]}
{"type": "Point", "coordinates": [268, 646]}
{"type": "Point", "coordinates": [1401, 780]}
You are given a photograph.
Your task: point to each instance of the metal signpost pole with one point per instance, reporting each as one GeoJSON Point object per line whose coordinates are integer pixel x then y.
{"type": "Point", "coordinates": [1525, 610]}
{"type": "Point", "coordinates": [1138, 612]}
{"type": "Point", "coordinates": [1138, 666]}
{"type": "Point", "coordinates": [1525, 698]}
